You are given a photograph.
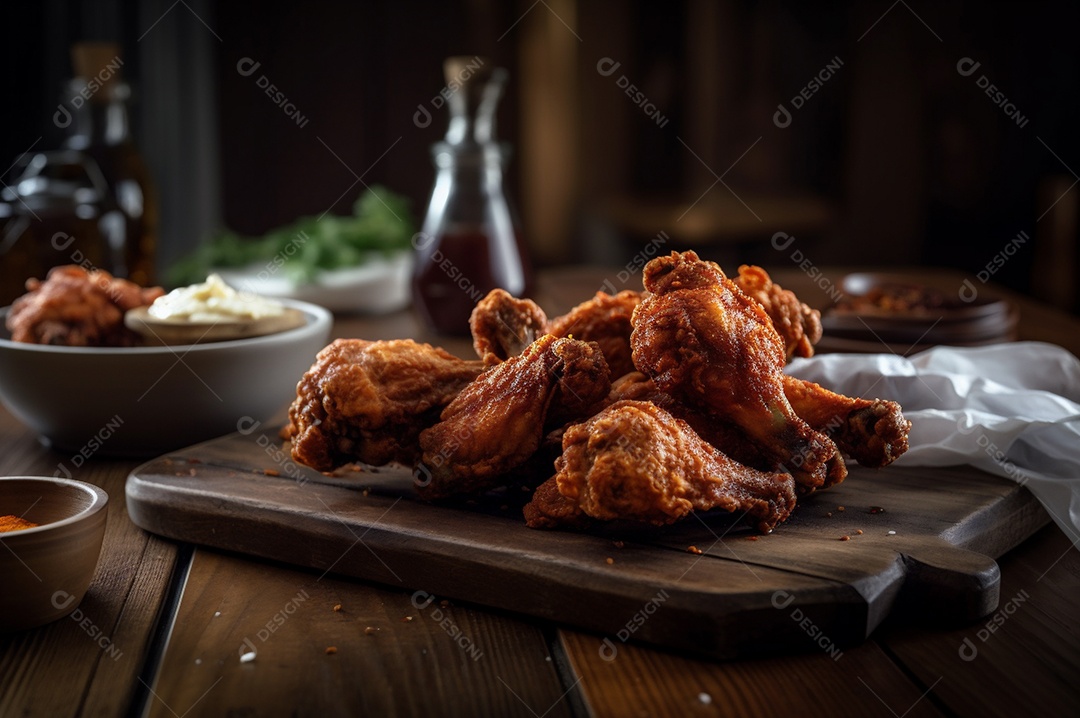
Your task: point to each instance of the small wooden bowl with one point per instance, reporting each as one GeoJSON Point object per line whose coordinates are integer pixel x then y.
{"type": "Point", "coordinates": [175, 332]}
{"type": "Point", "coordinates": [46, 570]}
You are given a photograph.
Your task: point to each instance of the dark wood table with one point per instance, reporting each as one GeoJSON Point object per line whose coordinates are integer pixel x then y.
{"type": "Point", "coordinates": [163, 626]}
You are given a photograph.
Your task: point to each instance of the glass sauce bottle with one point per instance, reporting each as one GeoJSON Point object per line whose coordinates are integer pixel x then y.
{"type": "Point", "coordinates": [470, 243]}
{"type": "Point", "coordinates": [57, 213]}
{"type": "Point", "coordinates": [97, 100]}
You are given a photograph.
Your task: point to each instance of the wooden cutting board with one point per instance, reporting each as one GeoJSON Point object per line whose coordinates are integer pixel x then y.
{"type": "Point", "coordinates": [804, 587]}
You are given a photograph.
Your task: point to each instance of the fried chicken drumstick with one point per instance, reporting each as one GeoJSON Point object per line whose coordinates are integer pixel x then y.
{"type": "Point", "coordinates": [497, 422]}
{"type": "Point", "coordinates": [874, 432]}
{"type": "Point", "coordinates": [636, 462]}
{"type": "Point", "coordinates": [503, 326]}
{"type": "Point", "coordinates": [369, 401]}
{"type": "Point", "coordinates": [725, 436]}
{"type": "Point", "coordinates": [704, 342]}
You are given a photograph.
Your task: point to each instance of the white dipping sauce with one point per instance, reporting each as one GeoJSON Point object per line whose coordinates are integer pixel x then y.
{"type": "Point", "coordinates": [213, 301]}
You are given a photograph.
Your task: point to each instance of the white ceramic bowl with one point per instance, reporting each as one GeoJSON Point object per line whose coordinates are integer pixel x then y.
{"type": "Point", "coordinates": [46, 570]}
{"type": "Point", "coordinates": [144, 401]}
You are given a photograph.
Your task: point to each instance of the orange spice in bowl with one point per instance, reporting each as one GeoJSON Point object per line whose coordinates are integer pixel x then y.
{"type": "Point", "coordinates": [14, 523]}
{"type": "Point", "coordinates": [48, 569]}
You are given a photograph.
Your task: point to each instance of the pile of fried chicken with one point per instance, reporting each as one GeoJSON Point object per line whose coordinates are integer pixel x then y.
{"type": "Point", "coordinates": [75, 307]}
{"type": "Point", "coordinates": [644, 405]}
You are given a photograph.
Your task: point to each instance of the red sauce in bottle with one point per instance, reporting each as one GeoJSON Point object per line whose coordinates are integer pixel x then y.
{"type": "Point", "coordinates": [457, 269]}
{"type": "Point", "coordinates": [470, 244]}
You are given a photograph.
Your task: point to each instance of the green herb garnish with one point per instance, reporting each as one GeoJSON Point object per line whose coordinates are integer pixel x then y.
{"type": "Point", "coordinates": [381, 225]}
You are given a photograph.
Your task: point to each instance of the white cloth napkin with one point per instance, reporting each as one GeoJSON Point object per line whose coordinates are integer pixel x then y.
{"type": "Point", "coordinates": [1009, 409]}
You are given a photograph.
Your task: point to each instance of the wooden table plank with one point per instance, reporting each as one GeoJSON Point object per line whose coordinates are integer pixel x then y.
{"type": "Point", "coordinates": [93, 658]}
{"type": "Point", "coordinates": [434, 660]}
{"type": "Point", "coordinates": [639, 681]}
{"type": "Point", "coordinates": [1025, 658]}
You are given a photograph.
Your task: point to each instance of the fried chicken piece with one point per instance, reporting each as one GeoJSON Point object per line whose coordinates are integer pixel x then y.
{"type": "Point", "coordinates": [497, 422]}
{"type": "Point", "coordinates": [874, 432]}
{"type": "Point", "coordinates": [604, 319]}
{"type": "Point", "coordinates": [77, 308]}
{"type": "Point", "coordinates": [368, 401]}
{"type": "Point", "coordinates": [633, 386]}
{"type": "Point", "coordinates": [796, 323]}
{"type": "Point", "coordinates": [503, 326]}
{"type": "Point", "coordinates": [709, 345]}
{"type": "Point", "coordinates": [636, 462]}
{"type": "Point", "coordinates": [549, 509]}
{"type": "Point", "coordinates": [724, 435]}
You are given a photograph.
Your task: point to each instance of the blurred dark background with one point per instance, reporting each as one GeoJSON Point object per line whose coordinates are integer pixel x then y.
{"type": "Point", "coordinates": [891, 156]}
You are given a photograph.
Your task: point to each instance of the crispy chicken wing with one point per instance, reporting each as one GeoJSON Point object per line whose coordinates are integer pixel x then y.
{"type": "Point", "coordinates": [797, 324]}
{"type": "Point", "coordinates": [633, 386]}
{"type": "Point", "coordinates": [604, 319]}
{"type": "Point", "coordinates": [369, 401]}
{"type": "Point", "coordinates": [503, 326]}
{"type": "Point", "coordinates": [724, 435]}
{"type": "Point", "coordinates": [73, 307]}
{"type": "Point", "coordinates": [549, 509]}
{"type": "Point", "coordinates": [872, 431]}
{"type": "Point", "coordinates": [497, 422]}
{"type": "Point", "coordinates": [636, 462]}
{"type": "Point", "coordinates": [707, 344]}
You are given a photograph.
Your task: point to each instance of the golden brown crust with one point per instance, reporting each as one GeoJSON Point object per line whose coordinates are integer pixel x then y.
{"type": "Point", "coordinates": [549, 509]}
{"type": "Point", "coordinates": [604, 319]}
{"type": "Point", "coordinates": [497, 422]}
{"type": "Point", "coordinates": [635, 462]}
{"type": "Point", "coordinates": [701, 415]}
{"type": "Point", "coordinates": [369, 401]}
{"type": "Point", "coordinates": [796, 323]}
{"type": "Point", "coordinates": [873, 431]}
{"type": "Point", "coordinates": [74, 307]}
{"type": "Point", "coordinates": [502, 326]}
{"type": "Point", "coordinates": [725, 436]}
{"type": "Point", "coordinates": [710, 346]}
